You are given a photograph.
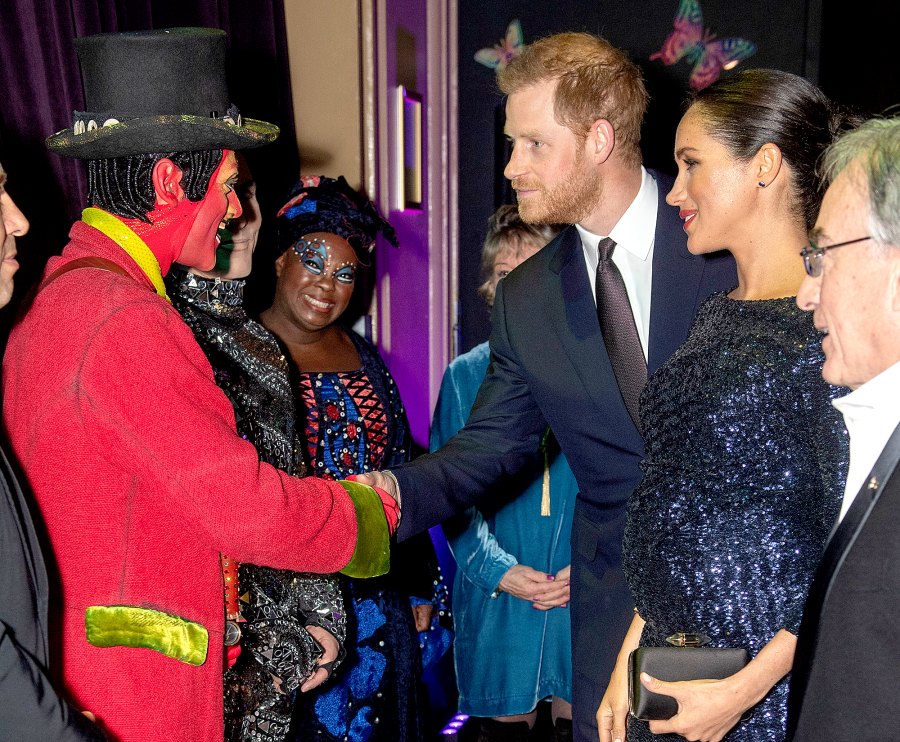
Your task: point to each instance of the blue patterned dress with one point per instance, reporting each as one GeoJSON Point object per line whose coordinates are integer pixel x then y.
{"type": "Point", "coordinates": [277, 606]}
{"type": "Point", "coordinates": [355, 422]}
{"type": "Point", "coordinates": [742, 482]}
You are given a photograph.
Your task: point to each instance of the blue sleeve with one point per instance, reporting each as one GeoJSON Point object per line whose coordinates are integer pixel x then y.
{"type": "Point", "coordinates": [478, 554]}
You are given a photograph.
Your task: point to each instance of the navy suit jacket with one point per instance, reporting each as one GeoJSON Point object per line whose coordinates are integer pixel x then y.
{"type": "Point", "coordinates": [29, 707]}
{"type": "Point", "coordinates": [549, 366]}
{"type": "Point", "coordinates": [847, 664]}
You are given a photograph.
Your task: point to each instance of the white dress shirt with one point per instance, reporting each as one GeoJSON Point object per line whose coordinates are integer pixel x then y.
{"type": "Point", "coordinates": [871, 412]}
{"type": "Point", "coordinates": [634, 235]}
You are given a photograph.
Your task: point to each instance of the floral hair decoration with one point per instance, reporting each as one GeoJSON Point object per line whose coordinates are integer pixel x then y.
{"type": "Point", "coordinates": [318, 203]}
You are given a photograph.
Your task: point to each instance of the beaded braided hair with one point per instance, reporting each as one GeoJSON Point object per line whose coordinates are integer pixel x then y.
{"type": "Point", "coordinates": [124, 185]}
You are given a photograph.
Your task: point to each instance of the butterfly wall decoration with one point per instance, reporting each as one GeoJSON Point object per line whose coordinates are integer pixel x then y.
{"type": "Point", "coordinates": [696, 45]}
{"type": "Point", "coordinates": [498, 56]}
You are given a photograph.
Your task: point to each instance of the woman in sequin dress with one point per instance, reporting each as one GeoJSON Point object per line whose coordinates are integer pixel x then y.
{"type": "Point", "coordinates": [353, 422]}
{"type": "Point", "coordinates": [290, 623]}
{"type": "Point", "coordinates": [744, 454]}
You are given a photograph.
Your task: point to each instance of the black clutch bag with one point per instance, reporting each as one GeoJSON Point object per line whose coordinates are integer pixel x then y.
{"type": "Point", "coordinates": [672, 664]}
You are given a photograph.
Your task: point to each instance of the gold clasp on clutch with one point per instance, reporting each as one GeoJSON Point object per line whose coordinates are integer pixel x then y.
{"type": "Point", "coordinates": [680, 639]}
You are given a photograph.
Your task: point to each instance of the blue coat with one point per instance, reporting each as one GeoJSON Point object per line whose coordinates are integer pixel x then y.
{"type": "Point", "coordinates": [508, 655]}
{"type": "Point", "coordinates": [549, 366]}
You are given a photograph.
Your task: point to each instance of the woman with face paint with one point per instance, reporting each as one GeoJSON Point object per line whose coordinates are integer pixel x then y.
{"type": "Point", "coordinates": [354, 422]}
{"type": "Point", "coordinates": [284, 634]}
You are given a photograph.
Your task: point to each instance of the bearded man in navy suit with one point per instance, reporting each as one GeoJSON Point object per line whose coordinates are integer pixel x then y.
{"type": "Point", "coordinates": [574, 110]}
{"type": "Point", "coordinates": [847, 664]}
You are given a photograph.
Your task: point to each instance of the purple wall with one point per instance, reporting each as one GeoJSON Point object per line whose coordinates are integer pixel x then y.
{"type": "Point", "coordinates": [406, 305]}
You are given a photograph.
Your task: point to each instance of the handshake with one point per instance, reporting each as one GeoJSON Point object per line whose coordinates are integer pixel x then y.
{"type": "Point", "coordinates": [385, 485]}
{"type": "Point", "coordinates": [372, 554]}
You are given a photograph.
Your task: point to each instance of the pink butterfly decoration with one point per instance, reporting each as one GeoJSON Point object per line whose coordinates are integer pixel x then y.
{"type": "Point", "coordinates": [510, 46]}
{"type": "Point", "coordinates": [709, 55]}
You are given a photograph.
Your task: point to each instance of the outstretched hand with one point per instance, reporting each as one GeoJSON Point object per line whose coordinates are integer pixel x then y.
{"type": "Point", "coordinates": [378, 479]}
{"type": "Point", "coordinates": [385, 487]}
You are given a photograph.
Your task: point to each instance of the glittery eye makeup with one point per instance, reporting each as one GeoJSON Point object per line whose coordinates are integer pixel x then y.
{"type": "Point", "coordinates": [315, 257]}
{"type": "Point", "coordinates": [347, 274]}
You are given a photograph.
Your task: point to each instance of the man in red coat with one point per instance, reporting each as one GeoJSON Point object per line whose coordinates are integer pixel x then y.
{"type": "Point", "coordinates": [112, 410]}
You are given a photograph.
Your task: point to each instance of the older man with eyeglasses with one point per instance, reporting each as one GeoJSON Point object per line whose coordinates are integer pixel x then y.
{"type": "Point", "coordinates": [847, 666]}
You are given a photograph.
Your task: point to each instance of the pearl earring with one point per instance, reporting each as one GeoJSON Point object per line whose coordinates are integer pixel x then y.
{"type": "Point", "coordinates": [761, 184]}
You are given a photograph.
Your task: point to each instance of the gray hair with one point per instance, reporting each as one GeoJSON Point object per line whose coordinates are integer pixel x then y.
{"type": "Point", "coordinates": [873, 147]}
{"type": "Point", "coordinates": [507, 229]}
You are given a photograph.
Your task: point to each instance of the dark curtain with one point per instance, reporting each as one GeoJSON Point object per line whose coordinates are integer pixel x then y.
{"type": "Point", "coordinates": [41, 86]}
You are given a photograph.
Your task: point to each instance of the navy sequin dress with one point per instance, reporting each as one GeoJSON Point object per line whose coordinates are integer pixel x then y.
{"type": "Point", "coordinates": [742, 481]}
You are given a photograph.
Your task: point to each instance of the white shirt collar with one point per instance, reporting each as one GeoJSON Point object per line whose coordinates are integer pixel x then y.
{"type": "Point", "coordinates": [880, 393]}
{"type": "Point", "coordinates": [871, 412]}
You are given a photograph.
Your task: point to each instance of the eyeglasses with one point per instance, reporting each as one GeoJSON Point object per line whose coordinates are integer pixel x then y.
{"type": "Point", "coordinates": [812, 255]}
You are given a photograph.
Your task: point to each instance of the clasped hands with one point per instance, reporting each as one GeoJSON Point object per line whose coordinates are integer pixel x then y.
{"type": "Point", "coordinates": [544, 591]}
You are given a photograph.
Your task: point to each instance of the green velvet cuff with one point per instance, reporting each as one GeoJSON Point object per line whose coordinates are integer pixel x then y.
{"type": "Point", "coordinates": [372, 555]}
{"type": "Point", "coordinates": [129, 626]}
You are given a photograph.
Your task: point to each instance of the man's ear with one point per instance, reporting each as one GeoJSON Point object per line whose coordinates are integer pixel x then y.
{"type": "Point", "coordinates": [166, 179]}
{"type": "Point", "coordinates": [601, 140]}
{"type": "Point", "coordinates": [895, 279]}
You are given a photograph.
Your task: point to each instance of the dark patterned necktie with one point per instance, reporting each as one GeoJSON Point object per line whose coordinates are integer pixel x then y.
{"type": "Point", "coordinates": [619, 329]}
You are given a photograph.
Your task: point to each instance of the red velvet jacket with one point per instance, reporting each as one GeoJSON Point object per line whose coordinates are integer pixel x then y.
{"type": "Point", "coordinates": [131, 451]}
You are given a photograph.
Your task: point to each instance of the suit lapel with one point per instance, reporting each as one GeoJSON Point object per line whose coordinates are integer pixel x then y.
{"type": "Point", "coordinates": [576, 325]}
{"type": "Point", "coordinates": [675, 284]}
{"type": "Point", "coordinates": [845, 533]}
{"type": "Point", "coordinates": [839, 544]}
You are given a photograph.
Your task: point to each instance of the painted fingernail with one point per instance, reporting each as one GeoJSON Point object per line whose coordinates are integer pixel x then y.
{"type": "Point", "coordinates": [564, 605]}
{"type": "Point", "coordinates": [550, 577]}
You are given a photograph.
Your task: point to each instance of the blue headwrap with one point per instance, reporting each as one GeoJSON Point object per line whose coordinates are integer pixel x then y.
{"type": "Point", "coordinates": [321, 204]}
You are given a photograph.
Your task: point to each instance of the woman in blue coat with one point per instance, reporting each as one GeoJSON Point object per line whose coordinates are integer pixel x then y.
{"type": "Point", "coordinates": [512, 645]}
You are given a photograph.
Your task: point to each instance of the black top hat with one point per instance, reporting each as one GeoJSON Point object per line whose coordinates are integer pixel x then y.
{"type": "Point", "coordinates": [156, 91]}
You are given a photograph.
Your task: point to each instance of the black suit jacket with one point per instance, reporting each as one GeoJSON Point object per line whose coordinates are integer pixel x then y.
{"type": "Point", "coordinates": [29, 707]}
{"type": "Point", "coordinates": [846, 675]}
{"type": "Point", "coordinates": [549, 366]}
